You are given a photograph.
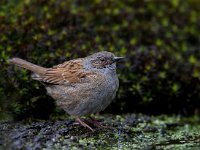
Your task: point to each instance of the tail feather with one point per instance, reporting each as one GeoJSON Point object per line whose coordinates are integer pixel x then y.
{"type": "Point", "coordinates": [27, 65]}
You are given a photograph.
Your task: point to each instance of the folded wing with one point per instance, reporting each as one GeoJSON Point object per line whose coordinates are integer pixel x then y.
{"type": "Point", "coordinates": [66, 73]}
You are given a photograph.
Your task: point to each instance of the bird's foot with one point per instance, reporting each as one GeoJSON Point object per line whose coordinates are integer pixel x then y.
{"type": "Point", "coordinates": [95, 122]}
{"type": "Point", "coordinates": [84, 124]}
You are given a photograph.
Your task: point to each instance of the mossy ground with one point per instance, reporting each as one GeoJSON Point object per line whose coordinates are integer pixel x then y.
{"type": "Point", "coordinates": [121, 132]}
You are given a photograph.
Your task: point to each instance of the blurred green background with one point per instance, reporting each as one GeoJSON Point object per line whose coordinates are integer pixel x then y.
{"type": "Point", "coordinates": [160, 39]}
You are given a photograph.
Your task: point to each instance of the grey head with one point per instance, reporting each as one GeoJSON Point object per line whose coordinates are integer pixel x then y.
{"type": "Point", "coordinates": [102, 61]}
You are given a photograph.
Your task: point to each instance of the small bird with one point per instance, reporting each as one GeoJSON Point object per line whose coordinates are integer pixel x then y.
{"type": "Point", "coordinates": [80, 86]}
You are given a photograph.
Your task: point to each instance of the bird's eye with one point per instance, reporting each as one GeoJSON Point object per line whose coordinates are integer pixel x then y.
{"type": "Point", "coordinates": [102, 59]}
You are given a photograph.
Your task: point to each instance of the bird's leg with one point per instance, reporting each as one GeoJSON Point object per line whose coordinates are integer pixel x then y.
{"type": "Point", "coordinates": [95, 122]}
{"type": "Point", "coordinates": [84, 124]}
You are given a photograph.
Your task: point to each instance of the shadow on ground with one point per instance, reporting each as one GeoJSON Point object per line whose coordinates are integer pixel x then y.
{"type": "Point", "coordinates": [121, 132]}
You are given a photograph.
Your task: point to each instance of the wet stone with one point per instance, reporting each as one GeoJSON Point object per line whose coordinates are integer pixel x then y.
{"type": "Point", "coordinates": [131, 131]}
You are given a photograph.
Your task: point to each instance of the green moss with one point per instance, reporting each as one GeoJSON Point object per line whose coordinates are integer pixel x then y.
{"type": "Point", "coordinates": [129, 132]}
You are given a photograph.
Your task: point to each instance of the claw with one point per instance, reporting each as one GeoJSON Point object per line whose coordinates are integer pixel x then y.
{"type": "Point", "coordinates": [95, 122]}
{"type": "Point", "coordinates": [84, 124]}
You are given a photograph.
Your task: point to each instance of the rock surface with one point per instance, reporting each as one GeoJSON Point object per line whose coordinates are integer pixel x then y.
{"type": "Point", "coordinates": [120, 132]}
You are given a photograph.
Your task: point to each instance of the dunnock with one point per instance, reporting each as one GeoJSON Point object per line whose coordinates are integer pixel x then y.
{"type": "Point", "coordinates": [81, 86]}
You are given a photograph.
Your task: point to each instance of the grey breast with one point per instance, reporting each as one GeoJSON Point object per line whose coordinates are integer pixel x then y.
{"type": "Point", "coordinates": [87, 97]}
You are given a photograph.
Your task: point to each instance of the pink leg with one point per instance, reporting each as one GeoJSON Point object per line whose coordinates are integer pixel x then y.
{"type": "Point", "coordinates": [96, 123]}
{"type": "Point", "coordinates": [84, 124]}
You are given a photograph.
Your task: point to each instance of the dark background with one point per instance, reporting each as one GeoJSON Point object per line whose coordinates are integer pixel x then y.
{"type": "Point", "coordinates": [160, 39]}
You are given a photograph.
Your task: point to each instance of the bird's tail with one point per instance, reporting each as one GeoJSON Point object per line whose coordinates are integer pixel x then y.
{"type": "Point", "coordinates": [27, 65]}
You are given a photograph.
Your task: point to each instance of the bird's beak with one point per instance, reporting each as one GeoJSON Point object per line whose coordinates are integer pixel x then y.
{"type": "Point", "coordinates": [116, 59]}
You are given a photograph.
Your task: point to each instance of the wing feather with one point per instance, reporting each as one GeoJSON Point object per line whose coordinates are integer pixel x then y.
{"type": "Point", "coordinates": [65, 73]}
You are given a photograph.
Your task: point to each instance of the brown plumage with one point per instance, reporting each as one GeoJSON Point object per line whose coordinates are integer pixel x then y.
{"type": "Point", "coordinates": [81, 86]}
